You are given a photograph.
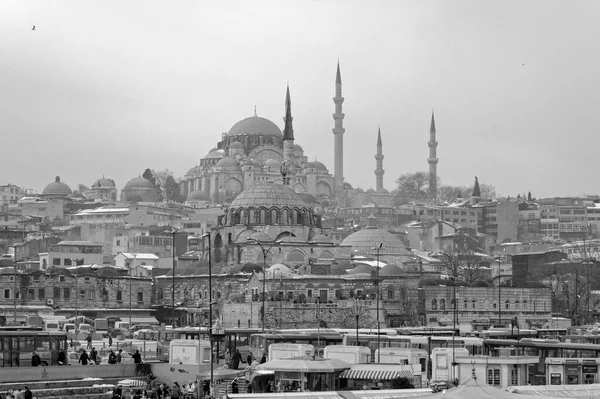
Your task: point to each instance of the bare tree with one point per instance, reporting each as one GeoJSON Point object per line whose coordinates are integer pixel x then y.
{"type": "Point", "coordinates": [413, 186]}
{"type": "Point", "coordinates": [449, 193]}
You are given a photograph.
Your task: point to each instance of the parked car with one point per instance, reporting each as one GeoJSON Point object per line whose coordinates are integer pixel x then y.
{"type": "Point", "coordinates": [126, 358]}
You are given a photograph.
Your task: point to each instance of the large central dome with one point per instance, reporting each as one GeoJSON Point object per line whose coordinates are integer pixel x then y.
{"type": "Point", "coordinates": [268, 195]}
{"type": "Point", "coordinates": [255, 125]}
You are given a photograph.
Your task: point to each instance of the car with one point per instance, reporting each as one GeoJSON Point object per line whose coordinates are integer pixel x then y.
{"type": "Point", "coordinates": [126, 358]}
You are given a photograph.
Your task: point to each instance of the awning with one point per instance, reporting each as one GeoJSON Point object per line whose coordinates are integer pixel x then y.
{"type": "Point", "coordinates": [365, 374]}
{"type": "Point", "coordinates": [141, 320]}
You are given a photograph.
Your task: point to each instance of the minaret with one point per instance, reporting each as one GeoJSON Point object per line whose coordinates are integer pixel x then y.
{"type": "Point", "coordinates": [379, 157]}
{"type": "Point", "coordinates": [432, 160]}
{"type": "Point", "coordinates": [338, 133]}
{"type": "Point", "coordinates": [288, 130]}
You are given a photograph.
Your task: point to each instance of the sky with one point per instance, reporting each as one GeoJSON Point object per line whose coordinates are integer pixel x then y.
{"type": "Point", "coordinates": [110, 88]}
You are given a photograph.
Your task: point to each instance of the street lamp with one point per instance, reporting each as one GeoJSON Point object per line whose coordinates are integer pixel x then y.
{"type": "Point", "coordinates": [173, 232]}
{"type": "Point", "coordinates": [265, 252]}
{"type": "Point", "coordinates": [76, 295]}
{"type": "Point", "coordinates": [453, 278]}
{"type": "Point", "coordinates": [205, 235]}
{"type": "Point", "coordinates": [378, 248]}
{"type": "Point", "coordinates": [499, 303]}
{"type": "Point", "coordinates": [357, 315]}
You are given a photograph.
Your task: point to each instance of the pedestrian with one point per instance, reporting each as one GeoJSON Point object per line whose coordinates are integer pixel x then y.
{"type": "Point", "coordinates": [137, 358]}
{"type": "Point", "coordinates": [263, 359]}
{"type": "Point", "coordinates": [89, 341]}
{"type": "Point", "coordinates": [35, 360]}
{"type": "Point", "coordinates": [112, 359]}
{"type": "Point", "coordinates": [62, 358]}
{"type": "Point", "coordinates": [138, 394]}
{"type": "Point", "coordinates": [109, 340]}
{"type": "Point", "coordinates": [237, 358]}
{"type": "Point", "coordinates": [94, 356]}
{"type": "Point", "coordinates": [249, 359]}
{"type": "Point", "coordinates": [161, 392]}
{"type": "Point", "coordinates": [18, 394]}
{"type": "Point", "coordinates": [175, 391]}
{"type": "Point", "coordinates": [84, 358]}
{"type": "Point", "coordinates": [119, 356]}
{"type": "Point", "coordinates": [117, 392]}
{"type": "Point", "coordinates": [27, 394]}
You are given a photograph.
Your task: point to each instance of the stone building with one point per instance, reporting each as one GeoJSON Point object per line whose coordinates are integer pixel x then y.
{"type": "Point", "coordinates": [102, 189]}
{"type": "Point", "coordinates": [140, 189]}
{"type": "Point", "coordinates": [478, 306]}
{"type": "Point", "coordinates": [82, 287]}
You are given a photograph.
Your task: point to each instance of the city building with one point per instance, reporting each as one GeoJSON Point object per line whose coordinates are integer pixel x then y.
{"type": "Point", "coordinates": [103, 190]}
{"type": "Point", "coordinates": [70, 253]}
{"type": "Point", "coordinates": [530, 228]}
{"type": "Point", "coordinates": [133, 260]}
{"type": "Point", "coordinates": [10, 194]}
{"type": "Point", "coordinates": [140, 189]}
{"type": "Point", "coordinates": [500, 220]}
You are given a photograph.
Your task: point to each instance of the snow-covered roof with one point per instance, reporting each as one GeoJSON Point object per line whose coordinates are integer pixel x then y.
{"type": "Point", "coordinates": [128, 255]}
{"type": "Point", "coordinates": [100, 211]}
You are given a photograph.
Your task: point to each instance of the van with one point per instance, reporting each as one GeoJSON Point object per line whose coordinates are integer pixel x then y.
{"type": "Point", "coordinates": [85, 328]}
{"type": "Point", "coordinates": [122, 325]}
{"type": "Point", "coordinates": [69, 327]}
{"type": "Point", "coordinates": [51, 325]}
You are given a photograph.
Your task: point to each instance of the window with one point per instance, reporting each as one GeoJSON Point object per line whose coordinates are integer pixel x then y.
{"type": "Point", "coordinates": [41, 294]}
{"type": "Point", "coordinates": [493, 376]}
{"type": "Point", "coordinates": [514, 376]}
{"type": "Point", "coordinates": [91, 294]}
{"type": "Point", "coordinates": [140, 297]}
{"type": "Point", "coordinates": [31, 293]}
{"type": "Point", "coordinates": [6, 294]}
{"type": "Point", "coordinates": [61, 279]}
{"type": "Point", "coordinates": [465, 304]}
{"type": "Point", "coordinates": [390, 293]}
{"type": "Point", "coordinates": [56, 262]}
{"type": "Point", "coordinates": [433, 304]}
{"type": "Point", "coordinates": [453, 304]}
{"type": "Point", "coordinates": [507, 304]}
{"type": "Point", "coordinates": [82, 294]}
{"type": "Point", "coordinates": [67, 294]}
{"type": "Point", "coordinates": [119, 296]}
{"type": "Point", "coordinates": [473, 304]}
{"type": "Point", "coordinates": [67, 262]}
{"type": "Point", "coordinates": [309, 293]}
{"type": "Point", "coordinates": [56, 292]}
{"type": "Point", "coordinates": [525, 304]}
{"type": "Point", "coordinates": [442, 304]}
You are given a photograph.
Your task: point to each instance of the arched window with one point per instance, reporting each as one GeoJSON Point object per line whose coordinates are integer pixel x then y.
{"type": "Point", "coordinates": [465, 304]}
{"type": "Point", "coordinates": [284, 217]}
{"type": "Point", "coordinates": [453, 304]}
{"type": "Point", "coordinates": [525, 304]}
{"type": "Point", "coordinates": [507, 304]}
{"type": "Point", "coordinates": [242, 219]}
{"type": "Point", "coordinates": [251, 216]}
{"type": "Point", "coordinates": [517, 305]}
{"type": "Point", "coordinates": [263, 216]}
{"type": "Point", "coordinates": [494, 305]}
{"type": "Point", "coordinates": [433, 304]}
{"type": "Point", "coordinates": [442, 304]}
{"type": "Point", "coordinates": [473, 303]}
{"type": "Point", "coordinates": [390, 292]}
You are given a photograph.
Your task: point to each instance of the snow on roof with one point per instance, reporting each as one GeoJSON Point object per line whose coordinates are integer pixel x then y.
{"type": "Point", "coordinates": [100, 211]}
{"type": "Point", "coordinates": [139, 256]}
{"type": "Point", "coordinates": [370, 262]}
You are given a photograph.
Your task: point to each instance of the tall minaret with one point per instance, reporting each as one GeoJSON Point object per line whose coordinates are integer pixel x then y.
{"type": "Point", "coordinates": [379, 157]}
{"type": "Point", "coordinates": [288, 130]}
{"type": "Point", "coordinates": [432, 160]}
{"type": "Point", "coordinates": [338, 133]}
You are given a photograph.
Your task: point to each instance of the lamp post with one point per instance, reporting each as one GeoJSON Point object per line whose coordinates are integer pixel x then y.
{"type": "Point", "coordinates": [499, 303]}
{"type": "Point", "coordinates": [209, 311]}
{"type": "Point", "coordinates": [76, 295]}
{"type": "Point", "coordinates": [378, 248]}
{"type": "Point", "coordinates": [173, 232]}
{"type": "Point", "coordinates": [15, 289]}
{"type": "Point", "coordinates": [357, 315]}
{"type": "Point", "coordinates": [453, 278]}
{"type": "Point", "coordinates": [134, 257]}
{"type": "Point", "coordinates": [265, 252]}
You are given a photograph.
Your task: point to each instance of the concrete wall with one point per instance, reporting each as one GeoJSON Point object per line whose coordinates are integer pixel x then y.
{"type": "Point", "coordinates": [27, 374]}
{"type": "Point", "coordinates": [182, 373]}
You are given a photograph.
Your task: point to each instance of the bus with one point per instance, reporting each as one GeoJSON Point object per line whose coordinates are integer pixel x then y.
{"type": "Point", "coordinates": [17, 347]}
{"type": "Point", "coordinates": [259, 343]}
{"type": "Point", "coordinates": [230, 340]}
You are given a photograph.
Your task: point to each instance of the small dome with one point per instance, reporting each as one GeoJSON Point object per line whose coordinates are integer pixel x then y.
{"type": "Point", "coordinates": [268, 195]}
{"type": "Point", "coordinates": [236, 145]}
{"type": "Point", "coordinates": [360, 190]}
{"type": "Point", "coordinates": [279, 270]}
{"type": "Point", "coordinates": [214, 153]}
{"type": "Point", "coordinates": [255, 125]}
{"type": "Point", "coordinates": [316, 165]}
{"type": "Point", "coordinates": [298, 148]}
{"type": "Point", "coordinates": [227, 163]}
{"type": "Point", "coordinates": [383, 191]}
{"type": "Point", "coordinates": [390, 270]}
{"type": "Point", "coordinates": [108, 272]}
{"type": "Point", "coordinates": [192, 171]}
{"type": "Point", "coordinates": [347, 186]}
{"type": "Point", "coordinates": [139, 183]}
{"type": "Point", "coordinates": [198, 195]}
{"type": "Point", "coordinates": [57, 188]}
{"type": "Point", "coordinates": [367, 239]}
{"type": "Point", "coordinates": [370, 191]}
{"type": "Point", "coordinates": [103, 183]}
{"type": "Point", "coordinates": [321, 239]}
{"type": "Point", "coordinates": [362, 268]}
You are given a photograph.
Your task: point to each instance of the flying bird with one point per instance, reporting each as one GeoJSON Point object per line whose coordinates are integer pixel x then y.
{"type": "Point", "coordinates": [33, 27]}
{"type": "Point", "coordinates": [523, 64]}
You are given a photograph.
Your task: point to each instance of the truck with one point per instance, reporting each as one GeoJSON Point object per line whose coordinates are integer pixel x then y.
{"type": "Point", "coordinates": [285, 351]}
{"type": "Point", "coordinates": [189, 351]}
{"type": "Point", "coordinates": [101, 327]}
{"type": "Point", "coordinates": [347, 353]}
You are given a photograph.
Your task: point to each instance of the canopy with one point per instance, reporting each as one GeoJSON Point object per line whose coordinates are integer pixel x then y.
{"type": "Point", "coordinates": [132, 383]}
{"type": "Point", "coordinates": [221, 373]}
{"type": "Point", "coordinates": [141, 320]}
{"type": "Point", "coordinates": [374, 374]}
{"type": "Point", "coordinates": [306, 364]}
{"type": "Point", "coordinates": [369, 394]}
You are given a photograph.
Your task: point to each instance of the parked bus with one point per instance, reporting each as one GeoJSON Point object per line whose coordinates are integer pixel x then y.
{"type": "Point", "coordinates": [259, 343]}
{"type": "Point", "coordinates": [16, 347]}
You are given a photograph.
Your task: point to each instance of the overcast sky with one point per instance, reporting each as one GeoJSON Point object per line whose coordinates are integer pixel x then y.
{"type": "Point", "coordinates": [109, 88]}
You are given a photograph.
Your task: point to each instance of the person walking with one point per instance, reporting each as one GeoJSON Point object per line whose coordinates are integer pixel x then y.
{"type": "Point", "coordinates": [27, 394]}
{"type": "Point", "coordinates": [175, 391]}
{"type": "Point", "coordinates": [89, 341]}
{"type": "Point", "coordinates": [94, 355]}
{"type": "Point", "coordinates": [62, 358]}
{"type": "Point", "coordinates": [236, 359]}
{"type": "Point", "coordinates": [137, 358]}
{"type": "Point", "coordinates": [84, 358]}
{"type": "Point", "coordinates": [119, 356]}
{"type": "Point", "coordinates": [109, 340]}
{"type": "Point", "coordinates": [35, 360]}
{"type": "Point", "coordinates": [249, 358]}
{"type": "Point", "coordinates": [112, 359]}
{"type": "Point", "coordinates": [263, 359]}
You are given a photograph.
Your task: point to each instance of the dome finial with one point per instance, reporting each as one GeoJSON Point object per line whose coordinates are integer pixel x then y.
{"type": "Point", "coordinates": [57, 179]}
{"type": "Point", "coordinates": [255, 114]}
